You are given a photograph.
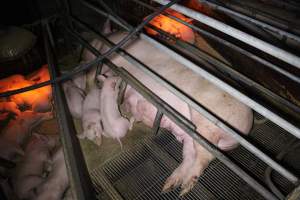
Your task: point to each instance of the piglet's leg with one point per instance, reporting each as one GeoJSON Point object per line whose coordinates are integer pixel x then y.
{"type": "Point", "coordinates": [202, 160]}
{"type": "Point", "coordinates": [178, 176]}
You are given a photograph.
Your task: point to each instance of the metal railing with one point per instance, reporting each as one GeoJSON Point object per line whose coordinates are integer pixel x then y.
{"type": "Point", "coordinates": [75, 162]}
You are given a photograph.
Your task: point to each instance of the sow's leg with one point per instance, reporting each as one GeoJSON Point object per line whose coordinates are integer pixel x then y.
{"type": "Point", "coordinates": [178, 177]}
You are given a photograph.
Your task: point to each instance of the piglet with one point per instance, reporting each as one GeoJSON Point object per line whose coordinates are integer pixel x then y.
{"type": "Point", "coordinates": [57, 181]}
{"type": "Point", "coordinates": [91, 118]}
{"type": "Point", "coordinates": [19, 129]}
{"type": "Point", "coordinates": [29, 171]}
{"type": "Point", "coordinates": [9, 106]}
{"type": "Point", "coordinates": [74, 96]}
{"type": "Point", "coordinates": [115, 126]}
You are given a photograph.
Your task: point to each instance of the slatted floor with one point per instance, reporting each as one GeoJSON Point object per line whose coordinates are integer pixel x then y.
{"type": "Point", "coordinates": [139, 173]}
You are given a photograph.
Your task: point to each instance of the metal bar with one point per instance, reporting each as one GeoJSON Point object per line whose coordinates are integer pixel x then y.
{"type": "Point", "coordinates": [111, 17]}
{"type": "Point", "coordinates": [96, 53]}
{"type": "Point", "coordinates": [156, 123]}
{"type": "Point", "coordinates": [230, 45]}
{"type": "Point", "coordinates": [244, 37]}
{"type": "Point", "coordinates": [82, 67]}
{"type": "Point", "coordinates": [179, 119]}
{"type": "Point", "coordinates": [77, 170]}
{"type": "Point", "coordinates": [201, 109]}
{"type": "Point", "coordinates": [229, 89]}
{"type": "Point", "coordinates": [228, 70]}
{"type": "Point", "coordinates": [110, 11]}
{"type": "Point", "coordinates": [171, 113]}
{"type": "Point", "coordinates": [225, 10]}
{"type": "Point", "coordinates": [258, 15]}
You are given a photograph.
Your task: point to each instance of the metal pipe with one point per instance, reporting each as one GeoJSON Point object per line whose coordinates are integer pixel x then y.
{"type": "Point", "coordinates": [226, 69]}
{"type": "Point", "coordinates": [171, 113]}
{"type": "Point", "coordinates": [244, 37]}
{"type": "Point", "coordinates": [198, 107]}
{"type": "Point", "coordinates": [230, 45]}
{"type": "Point", "coordinates": [77, 170]}
{"type": "Point", "coordinates": [83, 67]}
{"type": "Point", "coordinates": [179, 120]}
{"type": "Point", "coordinates": [96, 53]}
{"type": "Point", "coordinates": [111, 17]}
{"type": "Point", "coordinates": [229, 89]}
{"type": "Point", "coordinates": [258, 14]}
{"type": "Point", "coordinates": [225, 10]}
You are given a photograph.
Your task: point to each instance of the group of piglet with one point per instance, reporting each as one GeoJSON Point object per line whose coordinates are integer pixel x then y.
{"type": "Point", "coordinates": [98, 109]}
{"type": "Point", "coordinates": [39, 171]}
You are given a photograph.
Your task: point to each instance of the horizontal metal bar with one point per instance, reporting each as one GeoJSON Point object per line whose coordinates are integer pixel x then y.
{"type": "Point", "coordinates": [83, 67]}
{"type": "Point", "coordinates": [242, 36]}
{"type": "Point", "coordinates": [225, 68]}
{"type": "Point", "coordinates": [96, 53]}
{"type": "Point", "coordinates": [176, 117]}
{"type": "Point", "coordinates": [201, 109]}
{"type": "Point", "coordinates": [180, 120]}
{"type": "Point", "coordinates": [229, 44]}
{"type": "Point", "coordinates": [77, 170]}
{"type": "Point", "coordinates": [229, 89]}
{"type": "Point", "coordinates": [225, 10]}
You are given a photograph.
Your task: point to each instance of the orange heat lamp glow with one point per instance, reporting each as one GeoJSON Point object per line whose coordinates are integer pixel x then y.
{"type": "Point", "coordinates": [171, 26]}
{"type": "Point", "coordinates": [19, 81]}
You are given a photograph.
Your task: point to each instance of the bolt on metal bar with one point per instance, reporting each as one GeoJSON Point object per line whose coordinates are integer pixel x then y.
{"type": "Point", "coordinates": [228, 44]}
{"type": "Point", "coordinates": [77, 170]}
{"type": "Point", "coordinates": [210, 116]}
{"type": "Point", "coordinates": [225, 10]}
{"type": "Point", "coordinates": [242, 36]}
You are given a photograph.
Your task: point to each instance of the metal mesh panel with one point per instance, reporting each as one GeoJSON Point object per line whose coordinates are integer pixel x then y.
{"type": "Point", "coordinates": [140, 172]}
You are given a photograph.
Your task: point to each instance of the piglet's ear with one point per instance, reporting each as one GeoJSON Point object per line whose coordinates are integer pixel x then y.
{"type": "Point", "coordinates": [101, 78]}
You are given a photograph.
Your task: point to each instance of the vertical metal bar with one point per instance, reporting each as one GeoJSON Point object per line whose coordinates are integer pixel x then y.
{"type": "Point", "coordinates": [77, 171]}
{"type": "Point", "coordinates": [157, 120]}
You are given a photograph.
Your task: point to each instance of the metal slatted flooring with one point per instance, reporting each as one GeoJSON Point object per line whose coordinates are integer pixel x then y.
{"type": "Point", "coordinates": [139, 173]}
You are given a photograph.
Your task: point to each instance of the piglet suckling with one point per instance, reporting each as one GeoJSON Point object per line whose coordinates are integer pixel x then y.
{"type": "Point", "coordinates": [20, 128]}
{"type": "Point", "coordinates": [91, 117]}
{"type": "Point", "coordinates": [115, 126]}
{"type": "Point", "coordinates": [74, 96]}
{"type": "Point", "coordinates": [29, 171]}
{"type": "Point", "coordinates": [57, 182]}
